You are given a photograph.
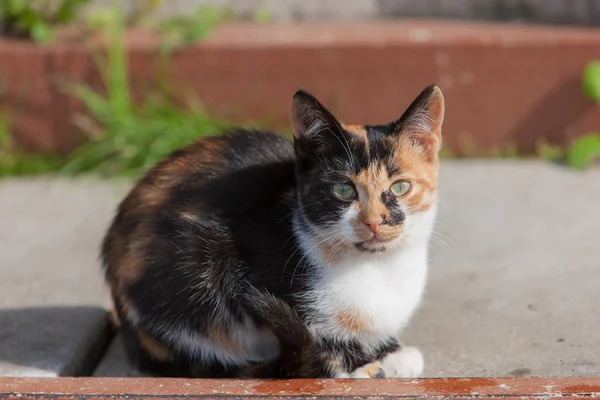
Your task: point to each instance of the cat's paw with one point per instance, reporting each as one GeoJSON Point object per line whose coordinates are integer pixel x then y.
{"type": "Point", "coordinates": [372, 370]}
{"type": "Point", "coordinates": [405, 363]}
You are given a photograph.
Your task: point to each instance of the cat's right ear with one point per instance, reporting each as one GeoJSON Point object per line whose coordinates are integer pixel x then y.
{"type": "Point", "coordinates": [310, 119]}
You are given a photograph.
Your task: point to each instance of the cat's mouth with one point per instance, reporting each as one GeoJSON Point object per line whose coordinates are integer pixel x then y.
{"type": "Point", "coordinates": [366, 247]}
{"type": "Point", "coordinates": [374, 244]}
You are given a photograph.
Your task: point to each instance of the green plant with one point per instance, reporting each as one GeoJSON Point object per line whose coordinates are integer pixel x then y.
{"type": "Point", "coordinates": [550, 152]}
{"type": "Point", "coordinates": [34, 19]}
{"type": "Point", "coordinates": [132, 137]}
{"type": "Point", "coordinates": [586, 149]}
{"type": "Point", "coordinates": [187, 29]}
{"type": "Point", "coordinates": [141, 11]}
{"type": "Point", "coordinates": [16, 163]}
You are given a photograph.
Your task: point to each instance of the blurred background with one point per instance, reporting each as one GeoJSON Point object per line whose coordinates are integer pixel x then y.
{"type": "Point", "coordinates": [93, 93]}
{"type": "Point", "coordinates": [108, 79]}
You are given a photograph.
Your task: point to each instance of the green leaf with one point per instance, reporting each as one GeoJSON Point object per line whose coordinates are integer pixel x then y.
{"type": "Point", "coordinates": [15, 7]}
{"type": "Point", "coordinates": [583, 151]}
{"type": "Point", "coordinates": [591, 81]}
{"type": "Point", "coordinates": [116, 73]}
{"type": "Point", "coordinates": [68, 10]}
{"type": "Point", "coordinates": [95, 102]}
{"type": "Point", "coordinates": [41, 32]}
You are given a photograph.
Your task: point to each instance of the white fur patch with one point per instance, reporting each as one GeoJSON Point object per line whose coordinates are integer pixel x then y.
{"type": "Point", "coordinates": [382, 289]}
{"type": "Point", "coordinates": [405, 363]}
{"type": "Point", "coordinates": [257, 344]}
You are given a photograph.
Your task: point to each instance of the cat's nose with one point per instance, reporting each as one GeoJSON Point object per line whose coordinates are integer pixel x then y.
{"type": "Point", "coordinates": [373, 225]}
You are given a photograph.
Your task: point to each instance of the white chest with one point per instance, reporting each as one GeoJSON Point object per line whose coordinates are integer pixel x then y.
{"type": "Point", "coordinates": [368, 298]}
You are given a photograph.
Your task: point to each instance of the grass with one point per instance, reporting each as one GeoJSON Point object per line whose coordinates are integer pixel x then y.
{"type": "Point", "coordinates": [124, 138]}
{"type": "Point", "coordinates": [15, 163]}
{"type": "Point", "coordinates": [132, 137]}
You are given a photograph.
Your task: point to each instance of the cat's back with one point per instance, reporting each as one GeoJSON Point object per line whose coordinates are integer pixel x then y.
{"type": "Point", "coordinates": [206, 190]}
{"type": "Point", "coordinates": [229, 153]}
{"type": "Point", "coordinates": [178, 235]}
{"type": "Point", "coordinates": [215, 165]}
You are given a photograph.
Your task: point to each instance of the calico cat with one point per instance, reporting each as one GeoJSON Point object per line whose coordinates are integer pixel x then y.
{"type": "Point", "coordinates": [247, 255]}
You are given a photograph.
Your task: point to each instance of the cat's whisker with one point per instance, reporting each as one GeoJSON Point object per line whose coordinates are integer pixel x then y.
{"type": "Point", "coordinates": [332, 238]}
{"type": "Point", "coordinates": [295, 210]}
{"type": "Point", "coordinates": [442, 244]}
{"type": "Point", "coordinates": [346, 147]}
{"type": "Point", "coordinates": [446, 240]}
{"type": "Point", "coordinates": [296, 250]}
{"type": "Point", "coordinates": [336, 250]}
{"type": "Point", "coordinates": [443, 241]}
{"type": "Point", "coordinates": [440, 241]}
{"type": "Point", "coordinates": [321, 242]}
{"type": "Point", "coordinates": [444, 237]}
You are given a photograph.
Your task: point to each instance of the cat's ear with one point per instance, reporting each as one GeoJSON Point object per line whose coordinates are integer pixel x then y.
{"type": "Point", "coordinates": [310, 119]}
{"type": "Point", "coordinates": [421, 124]}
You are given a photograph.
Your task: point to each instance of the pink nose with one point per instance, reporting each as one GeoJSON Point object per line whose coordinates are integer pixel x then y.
{"type": "Point", "coordinates": [373, 225]}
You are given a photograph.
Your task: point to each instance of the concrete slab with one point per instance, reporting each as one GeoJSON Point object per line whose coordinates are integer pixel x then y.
{"type": "Point", "coordinates": [52, 297]}
{"type": "Point", "coordinates": [514, 280]}
{"type": "Point", "coordinates": [514, 277]}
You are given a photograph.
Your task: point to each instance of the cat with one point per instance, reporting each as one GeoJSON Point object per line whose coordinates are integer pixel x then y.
{"type": "Point", "coordinates": [247, 255]}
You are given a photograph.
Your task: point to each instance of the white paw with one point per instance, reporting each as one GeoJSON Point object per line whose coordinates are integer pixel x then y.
{"type": "Point", "coordinates": [405, 363]}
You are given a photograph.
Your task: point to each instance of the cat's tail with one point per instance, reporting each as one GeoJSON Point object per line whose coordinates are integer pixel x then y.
{"type": "Point", "coordinates": [299, 355]}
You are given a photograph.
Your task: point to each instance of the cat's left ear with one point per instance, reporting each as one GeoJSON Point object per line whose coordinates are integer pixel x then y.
{"type": "Point", "coordinates": [421, 123]}
{"type": "Point", "coordinates": [310, 119]}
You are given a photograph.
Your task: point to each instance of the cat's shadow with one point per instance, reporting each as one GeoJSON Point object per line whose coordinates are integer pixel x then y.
{"type": "Point", "coordinates": [47, 341]}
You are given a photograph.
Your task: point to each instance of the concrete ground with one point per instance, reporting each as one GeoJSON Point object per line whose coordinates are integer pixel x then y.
{"type": "Point", "coordinates": [513, 287]}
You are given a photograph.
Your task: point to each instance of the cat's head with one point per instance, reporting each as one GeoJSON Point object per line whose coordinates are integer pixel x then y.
{"type": "Point", "coordinates": [368, 188]}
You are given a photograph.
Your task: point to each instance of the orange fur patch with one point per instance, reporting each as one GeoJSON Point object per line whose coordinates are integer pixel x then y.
{"type": "Point", "coordinates": [126, 309]}
{"type": "Point", "coordinates": [113, 317]}
{"type": "Point", "coordinates": [351, 321]}
{"type": "Point", "coordinates": [126, 250]}
{"type": "Point", "coordinates": [371, 369]}
{"type": "Point", "coordinates": [125, 262]}
{"type": "Point", "coordinates": [155, 349]}
{"type": "Point", "coordinates": [221, 338]}
{"type": "Point", "coordinates": [423, 174]}
{"type": "Point", "coordinates": [357, 134]}
{"type": "Point", "coordinates": [357, 130]}
{"type": "Point", "coordinates": [129, 266]}
{"type": "Point", "coordinates": [370, 183]}
{"type": "Point", "coordinates": [335, 366]}
{"type": "Point", "coordinates": [152, 195]}
{"type": "Point", "coordinates": [204, 154]}
{"type": "Point", "coordinates": [332, 251]}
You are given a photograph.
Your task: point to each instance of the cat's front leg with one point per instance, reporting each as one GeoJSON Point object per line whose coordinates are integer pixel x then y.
{"type": "Point", "coordinates": [406, 362]}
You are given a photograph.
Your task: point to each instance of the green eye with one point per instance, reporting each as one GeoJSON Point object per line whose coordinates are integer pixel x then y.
{"type": "Point", "coordinates": [344, 191]}
{"type": "Point", "coordinates": [400, 188]}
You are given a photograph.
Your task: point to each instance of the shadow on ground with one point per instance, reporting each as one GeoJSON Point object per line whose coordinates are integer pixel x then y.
{"type": "Point", "coordinates": [52, 341]}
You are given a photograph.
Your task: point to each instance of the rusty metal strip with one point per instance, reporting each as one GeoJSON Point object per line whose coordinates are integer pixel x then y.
{"type": "Point", "coordinates": [133, 388]}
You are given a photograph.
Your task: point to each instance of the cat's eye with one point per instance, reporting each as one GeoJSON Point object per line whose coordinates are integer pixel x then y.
{"type": "Point", "coordinates": [344, 191]}
{"type": "Point", "coordinates": [401, 188]}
